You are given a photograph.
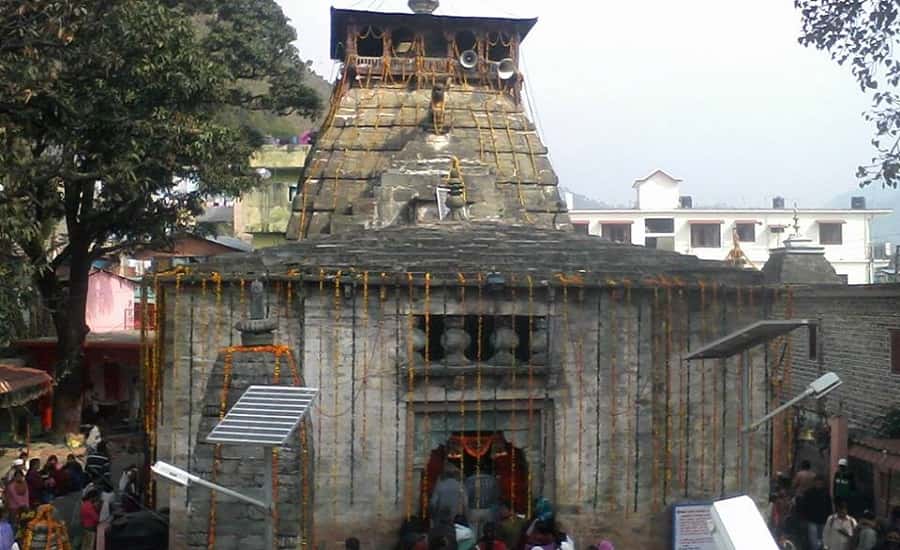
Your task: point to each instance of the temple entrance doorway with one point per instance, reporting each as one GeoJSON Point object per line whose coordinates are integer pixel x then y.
{"type": "Point", "coordinates": [491, 468]}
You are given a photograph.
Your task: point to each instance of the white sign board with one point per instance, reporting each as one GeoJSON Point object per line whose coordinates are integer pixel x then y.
{"type": "Point", "coordinates": [690, 527]}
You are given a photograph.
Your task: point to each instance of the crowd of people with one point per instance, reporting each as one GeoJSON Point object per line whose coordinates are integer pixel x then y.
{"type": "Point", "coordinates": [30, 488]}
{"type": "Point", "coordinates": [808, 514]}
{"type": "Point", "coordinates": [468, 514]}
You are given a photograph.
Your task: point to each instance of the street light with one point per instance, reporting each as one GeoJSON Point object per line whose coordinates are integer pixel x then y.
{"type": "Point", "coordinates": [185, 479]}
{"type": "Point", "coordinates": [818, 388]}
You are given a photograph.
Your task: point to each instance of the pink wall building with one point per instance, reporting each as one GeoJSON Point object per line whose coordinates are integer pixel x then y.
{"type": "Point", "coordinates": [110, 302]}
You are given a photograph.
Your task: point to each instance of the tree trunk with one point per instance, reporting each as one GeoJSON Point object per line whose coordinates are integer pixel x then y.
{"type": "Point", "coordinates": [68, 305]}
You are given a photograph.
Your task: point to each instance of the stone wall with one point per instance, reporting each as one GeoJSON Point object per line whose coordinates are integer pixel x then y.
{"type": "Point", "coordinates": [627, 427]}
{"type": "Point", "coordinates": [854, 342]}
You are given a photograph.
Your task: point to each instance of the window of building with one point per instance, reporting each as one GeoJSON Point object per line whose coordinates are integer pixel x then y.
{"type": "Point", "coordinates": [486, 326]}
{"type": "Point", "coordinates": [436, 44]}
{"type": "Point", "coordinates": [370, 42]}
{"type": "Point", "coordinates": [466, 40]}
{"type": "Point", "coordinates": [403, 42]}
{"type": "Point", "coordinates": [616, 232]}
{"type": "Point", "coordinates": [499, 46]}
{"type": "Point", "coordinates": [706, 235]}
{"type": "Point", "coordinates": [776, 229]}
{"type": "Point", "coordinates": [659, 225]}
{"type": "Point", "coordinates": [830, 233]}
{"type": "Point", "coordinates": [660, 243]}
{"type": "Point", "coordinates": [746, 232]}
{"type": "Point", "coordinates": [582, 227]}
{"type": "Point", "coordinates": [895, 350]}
{"type": "Point", "coordinates": [813, 342]}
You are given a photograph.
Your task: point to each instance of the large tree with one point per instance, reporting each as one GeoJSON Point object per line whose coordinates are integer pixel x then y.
{"type": "Point", "coordinates": [864, 34]}
{"type": "Point", "coordinates": [113, 134]}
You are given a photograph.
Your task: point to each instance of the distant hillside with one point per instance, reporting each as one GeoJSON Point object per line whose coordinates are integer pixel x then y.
{"type": "Point", "coordinates": [284, 127]}
{"type": "Point", "coordinates": [582, 202]}
{"type": "Point", "coordinates": [884, 228]}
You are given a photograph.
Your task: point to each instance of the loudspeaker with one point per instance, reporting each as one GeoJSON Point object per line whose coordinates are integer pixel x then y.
{"type": "Point", "coordinates": [468, 59]}
{"type": "Point", "coordinates": [506, 69]}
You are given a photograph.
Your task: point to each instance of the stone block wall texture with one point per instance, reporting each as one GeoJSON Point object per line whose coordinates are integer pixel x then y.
{"type": "Point", "coordinates": [854, 341]}
{"type": "Point", "coordinates": [623, 427]}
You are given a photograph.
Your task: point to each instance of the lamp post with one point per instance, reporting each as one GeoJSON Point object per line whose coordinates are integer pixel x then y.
{"type": "Point", "coordinates": [185, 479]}
{"type": "Point", "coordinates": [818, 388]}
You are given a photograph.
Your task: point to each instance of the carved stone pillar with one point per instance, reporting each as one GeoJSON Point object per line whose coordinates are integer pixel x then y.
{"type": "Point", "coordinates": [455, 341]}
{"type": "Point", "coordinates": [504, 342]}
{"type": "Point", "coordinates": [540, 340]}
{"type": "Point", "coordinates": [417, 337]}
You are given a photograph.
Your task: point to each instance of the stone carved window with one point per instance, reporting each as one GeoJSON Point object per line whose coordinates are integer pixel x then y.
{"type": "Point", "coordinates": [504, 340]}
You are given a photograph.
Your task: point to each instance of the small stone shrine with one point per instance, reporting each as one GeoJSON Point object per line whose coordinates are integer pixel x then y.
{"type": "Point", "coordinates": [219, 521]}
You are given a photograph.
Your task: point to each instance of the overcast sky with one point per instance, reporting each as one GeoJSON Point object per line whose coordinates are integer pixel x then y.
{"type": "Point", "coordinates": [716, 92]}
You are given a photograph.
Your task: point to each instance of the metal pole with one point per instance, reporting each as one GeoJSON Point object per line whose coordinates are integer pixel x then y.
{"type": "Point", "coordinates": [226, 491]}
{"type": "Point", "coordinates": [745, 435]}
{"type": "Point", "coordinates": [780, 409]}
{"type": "Point", "coordinates": [267, 491]}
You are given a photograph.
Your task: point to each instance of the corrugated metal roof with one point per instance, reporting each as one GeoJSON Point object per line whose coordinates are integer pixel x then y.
{"type": "Point", "coordinates": [19, 384]}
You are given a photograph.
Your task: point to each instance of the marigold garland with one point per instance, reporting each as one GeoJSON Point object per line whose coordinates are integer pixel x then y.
{"type": "Point", "coordinates": [613, 393]}
{"type": "Point", "coordinates": [427, 310]}
{"type": "Point", "coordinates": [335, 367]}
{"type": "Point", "coordinates": [410, 383]}
{"type": "Point", "coordinates": [462, 379]}
{"type": "Point", "coordinates": [365, 353]}
{"type": "Point", "coordinates": [529, 433]}
{"type": "Point", "coordinates": [563, 470]}
{"type": "Point", "coordinates": [703, 392]}
{"type": "Point", "coordinates": [579, 368]}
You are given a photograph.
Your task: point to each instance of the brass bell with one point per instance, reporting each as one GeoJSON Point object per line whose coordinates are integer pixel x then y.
{"type": "Point", "coordinates": [808, 435]}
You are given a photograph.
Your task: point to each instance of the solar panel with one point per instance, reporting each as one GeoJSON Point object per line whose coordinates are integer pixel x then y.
{"type": "Point", "coordinates": [264, 415]}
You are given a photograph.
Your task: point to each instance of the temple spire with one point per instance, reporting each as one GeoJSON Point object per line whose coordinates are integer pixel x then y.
{"type": "Point", "coordinates": [425, 7]}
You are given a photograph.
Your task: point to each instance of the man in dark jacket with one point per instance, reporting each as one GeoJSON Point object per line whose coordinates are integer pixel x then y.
{"type": "Point", "coordinates": [814, 506]}
{"type": "Point", "coordinates": [448, 498]}
{"type": "Point", "coordinates": [844, 485]}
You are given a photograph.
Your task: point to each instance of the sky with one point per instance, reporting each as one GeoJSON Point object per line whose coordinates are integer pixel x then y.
{"type": "Point", "coordinates": [716, 92]}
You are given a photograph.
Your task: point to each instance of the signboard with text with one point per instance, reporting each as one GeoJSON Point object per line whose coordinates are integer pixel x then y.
{"type": "Point", "coordinates": [690, 526]}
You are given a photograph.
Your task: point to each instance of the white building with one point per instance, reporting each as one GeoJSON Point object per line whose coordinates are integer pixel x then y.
{"type": "Point", "coordinates": [663, 218]}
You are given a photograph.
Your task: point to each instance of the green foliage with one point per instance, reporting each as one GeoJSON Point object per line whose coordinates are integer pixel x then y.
{"type": "Point", "coordinates": [888, 426]}
{"type": "Point", "coordinates": [864, 34]}
{"type": "Point", "coordinates": [111, 125]}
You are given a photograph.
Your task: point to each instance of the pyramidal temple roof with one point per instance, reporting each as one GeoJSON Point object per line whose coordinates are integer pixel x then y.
{"type": "Point", "coordinates": [409, 109]}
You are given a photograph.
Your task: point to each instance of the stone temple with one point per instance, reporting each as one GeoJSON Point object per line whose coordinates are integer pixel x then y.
{"type": "Point", "coordinates": [438, 298]}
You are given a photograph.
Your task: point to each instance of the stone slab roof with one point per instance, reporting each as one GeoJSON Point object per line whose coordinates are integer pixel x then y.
{"type": "Point", "coordinates": [448, 248]}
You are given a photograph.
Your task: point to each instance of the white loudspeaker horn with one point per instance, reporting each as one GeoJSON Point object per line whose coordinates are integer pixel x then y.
{"type": "Point", "coordinates": [506, 69]}
{"type": "Point", "coordinates": [468, 59]}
